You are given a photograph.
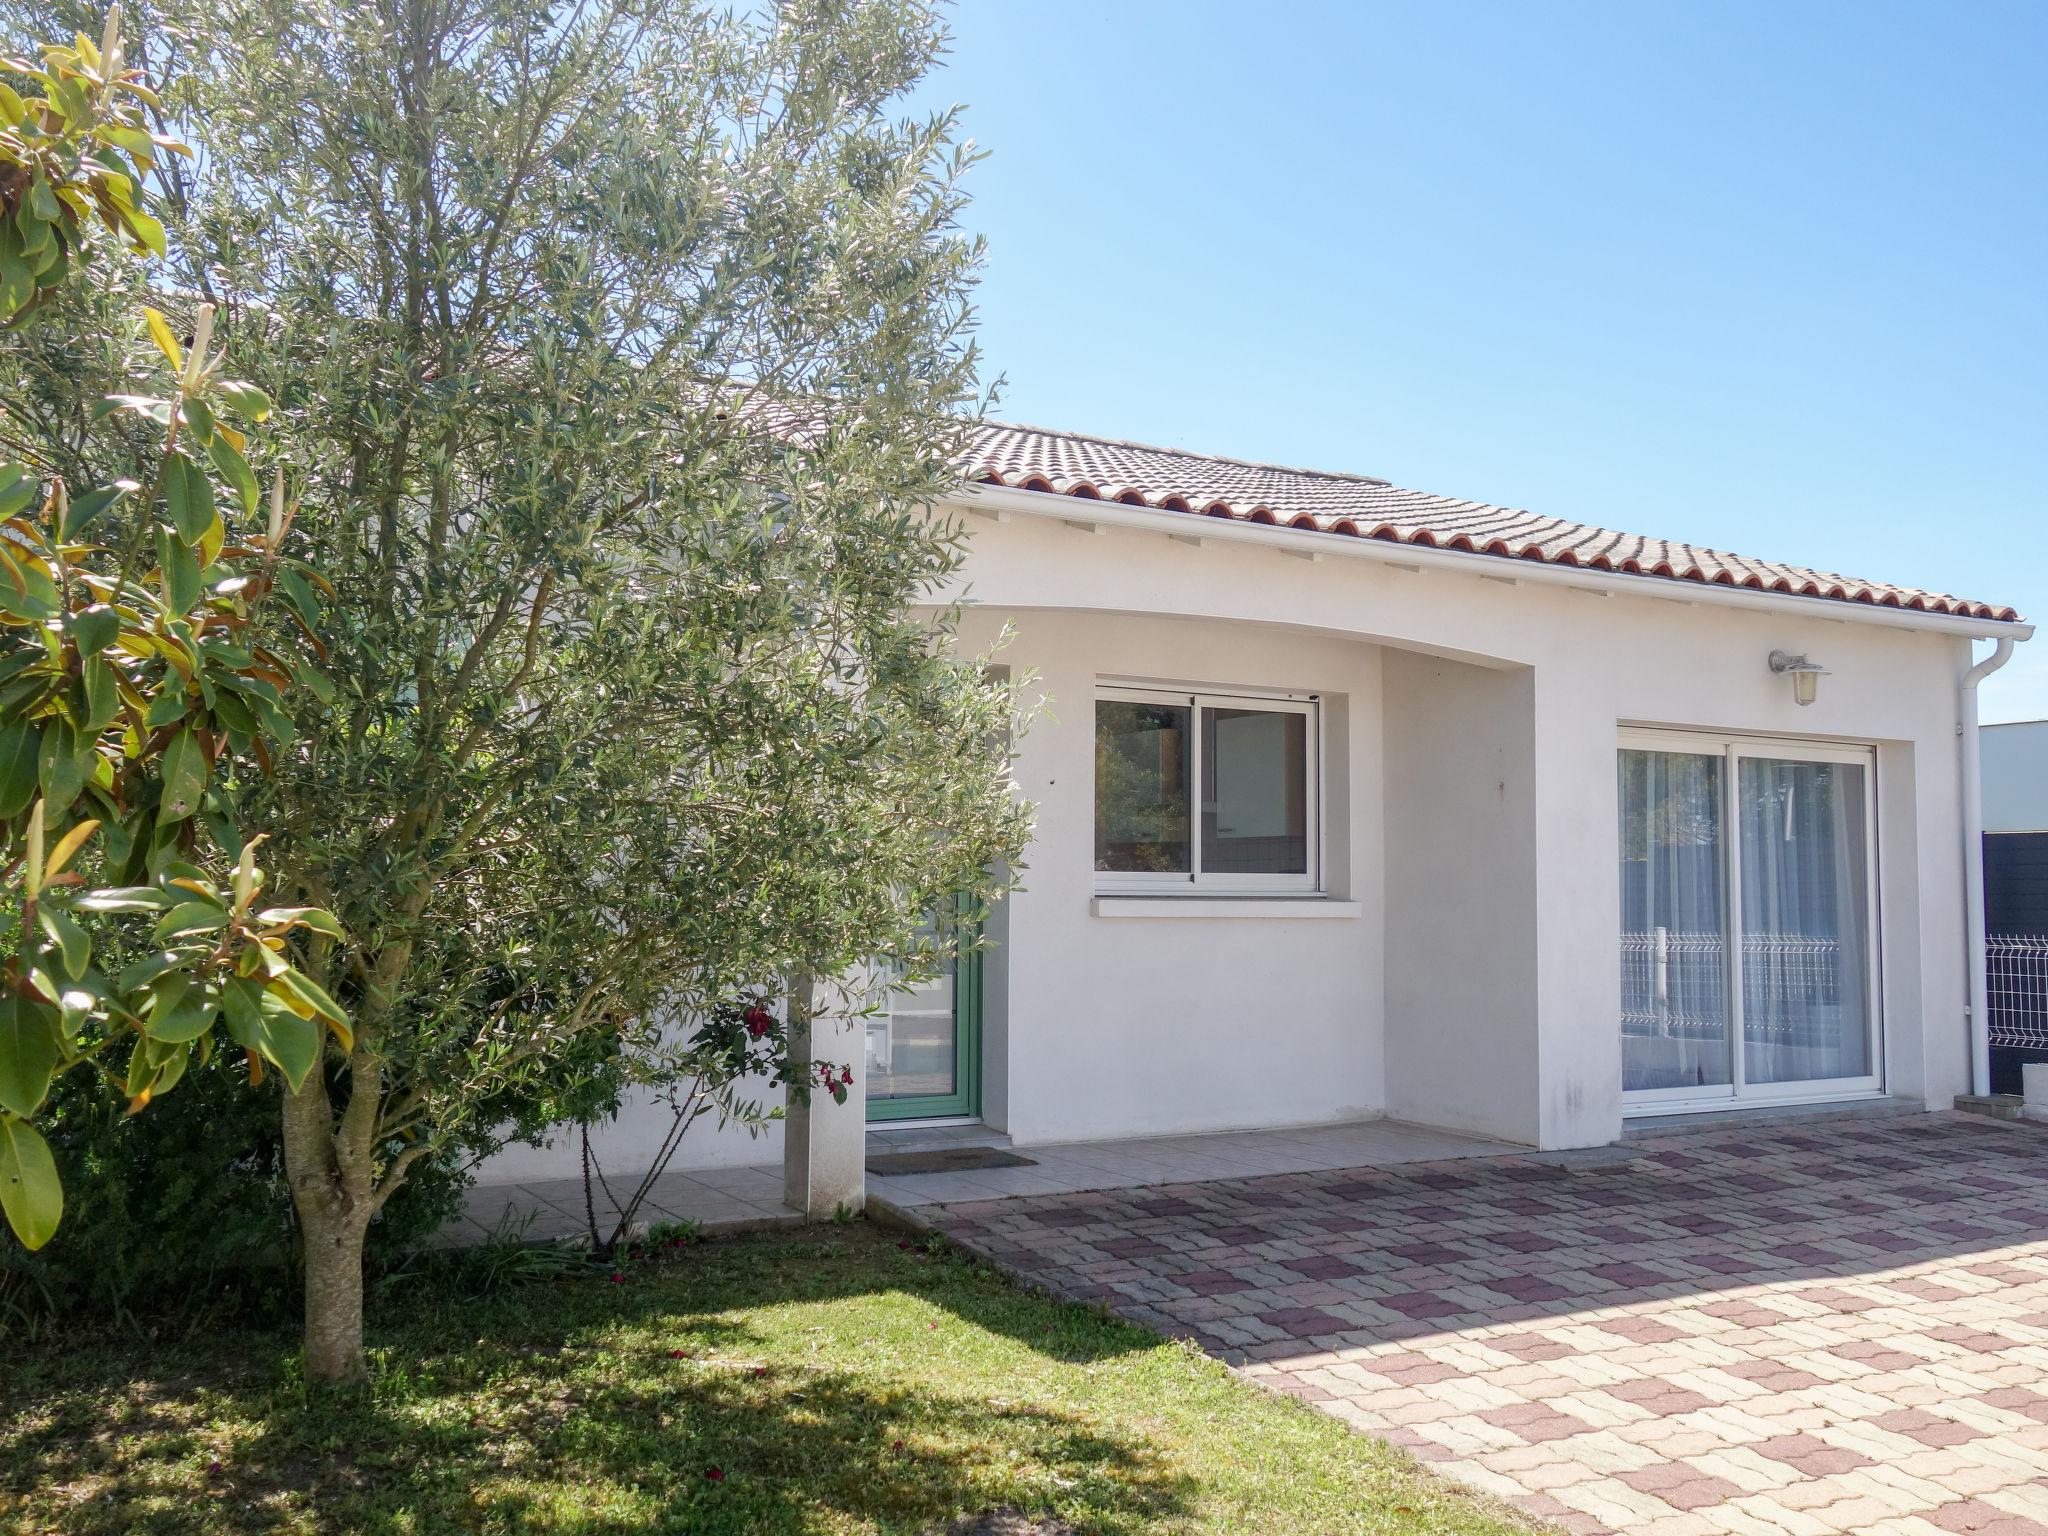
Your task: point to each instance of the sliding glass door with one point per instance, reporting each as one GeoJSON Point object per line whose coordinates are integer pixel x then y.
{"type": "Point", "coordinates": [1748, 921]}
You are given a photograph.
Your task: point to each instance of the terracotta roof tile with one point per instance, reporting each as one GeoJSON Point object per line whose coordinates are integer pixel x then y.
{"type": "Point", "coordinates": [1104, 469]}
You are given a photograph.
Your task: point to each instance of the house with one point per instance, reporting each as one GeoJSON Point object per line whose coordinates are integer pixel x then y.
{"type": "Point", "coordinates": [1355, 801]}
{"type": "Point", "coordinates": [2016, 896]}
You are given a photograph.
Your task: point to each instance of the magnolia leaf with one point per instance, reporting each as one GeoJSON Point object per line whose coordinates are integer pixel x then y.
{"type": "Point", "coordinates": [185, 772]}
{"type": "Point", "coordinates": [20, 745]}
{"type": "Point", "coordinates": [16, 496]}
{"type": "Point", "coordinates": [149, 967]}
{"type": "Point", "coordinates": [185, 1020]}
{"type": "Point", "coordinates": [72, 942]}
{"type": "Point", "coordinates": [168, 708]}
{"type": "Point", "coordinates": [246, 400]}
{"type": "Point", "coordinates": [235, 469]}
{"type": "Point", "coordinates": [122, 898]}
{"type": "Point", "coordinates": [93, 629]}
{"type": "Point", "coordinates": [29, 1051]}
{"type": "Point", "coordinates": [102, 694]}
{"type": "Point", "coordinates": [166, 340]}
{"type": "Point", "coordinates": [85, 510]}
{"type": "Point", "coordinates": [292, 1043]}
{"type": "Point", "coordinates": [311, 993]}
{"type": "Point", "coordinates": [179, 570]}
{"type": "Point", "coordinates": [68, 846]}
{"type": "Point", "coordinates": [188, 499]}
{"type": "Point", "coordinates": [30, 1192]}
{"type": "Point", "coordinates": [191, 917]}
{"type": "Point", "coordinates": [319, 919]}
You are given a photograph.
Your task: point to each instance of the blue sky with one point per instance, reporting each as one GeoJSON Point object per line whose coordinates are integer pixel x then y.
{"type": "Point", "coordinates": [1772, 278]}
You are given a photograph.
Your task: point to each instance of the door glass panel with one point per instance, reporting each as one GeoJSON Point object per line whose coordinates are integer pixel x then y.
{"type": "Point", "coordinates": [913, 1049]}
{"type": "Point", "coordinates": [1674, 963]}
{"type": "Point", "coordinates": [1254, 792]}
{"type": "Point", "coordinates": [1805, 921]}
{"type": "Point", "coordinates": [1141, 787]}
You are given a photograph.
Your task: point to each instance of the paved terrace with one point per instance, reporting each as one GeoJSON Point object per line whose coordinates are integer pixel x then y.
{"type": "Point", "coordinates": [1828, 1325]}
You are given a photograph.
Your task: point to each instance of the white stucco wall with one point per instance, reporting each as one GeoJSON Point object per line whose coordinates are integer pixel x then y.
{"type": "Point", "coordinates": [1082, 601]}
{"type": "Point", "coordinates": [1136, 1026]}
{"type": "Point", "coordinates": [1470, 729]}
{"type": "Point", "coordinates": [1460, 893]}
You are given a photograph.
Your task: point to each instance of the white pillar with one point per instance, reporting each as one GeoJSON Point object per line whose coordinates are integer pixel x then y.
{"type": "Point", "coordinates": [824, 1143]}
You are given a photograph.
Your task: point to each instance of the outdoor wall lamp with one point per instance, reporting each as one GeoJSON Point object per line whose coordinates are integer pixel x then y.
{"type": "Point", "coordinates": [1806, 675]}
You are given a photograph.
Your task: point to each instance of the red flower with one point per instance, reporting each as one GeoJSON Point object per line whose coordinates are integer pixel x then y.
{"type": "Point", "coordinates": [617, 1278]}
{"type": "Point", "coordinates": [715, 1474]}
{"type": "Point", "coordinates": [759, 1021]}
{"type": "Point", "coordinates": [679, 1354]}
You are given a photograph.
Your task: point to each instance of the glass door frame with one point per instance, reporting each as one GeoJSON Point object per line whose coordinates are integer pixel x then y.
{"type": "Point", "coordinates": [965, 1099]}
{"type": "Point", "coordinates": [1738, 1092]}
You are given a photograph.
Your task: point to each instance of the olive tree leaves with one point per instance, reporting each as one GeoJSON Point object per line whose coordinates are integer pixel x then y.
{"type": "Point", "coordinates": [138, 677]}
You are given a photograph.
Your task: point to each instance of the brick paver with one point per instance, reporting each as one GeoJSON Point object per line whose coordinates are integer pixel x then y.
{"type": "Point", "coordinates": [1809, 1326]}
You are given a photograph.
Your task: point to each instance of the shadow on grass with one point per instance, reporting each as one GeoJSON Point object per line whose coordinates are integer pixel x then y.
{"type": "Point", "coordinates": [672, 1402]}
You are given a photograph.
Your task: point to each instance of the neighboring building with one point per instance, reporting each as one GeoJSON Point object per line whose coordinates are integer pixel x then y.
{"type": "Point", "coordinates": [1356, 801]}
{"type": "Point", "coordinates": [2016, 895]}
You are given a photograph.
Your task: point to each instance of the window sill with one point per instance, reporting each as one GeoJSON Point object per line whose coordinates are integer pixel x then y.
{"type": "Point", "coordinates": [1222, 906]}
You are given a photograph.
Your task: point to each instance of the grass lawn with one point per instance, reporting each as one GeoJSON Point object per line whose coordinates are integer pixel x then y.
{"type": "Point", "coordinates": [825, 1382]}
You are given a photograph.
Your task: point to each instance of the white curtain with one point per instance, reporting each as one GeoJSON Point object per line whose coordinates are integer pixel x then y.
{"type": "Point", "coordinates": [1805, 921]}
{"type": "Point", "coordinates": [1673, 941]}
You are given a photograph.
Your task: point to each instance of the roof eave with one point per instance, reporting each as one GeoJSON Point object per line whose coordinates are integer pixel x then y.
{"type": "Point", "coordinates": [986, 498]}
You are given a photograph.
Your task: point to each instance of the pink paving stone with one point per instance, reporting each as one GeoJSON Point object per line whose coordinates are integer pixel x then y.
{"type": "Point", "coordinates": [1410, 1368]}
{"type": "Point", "coordinates": [1927, 1428]}
{"type": "Point", "coordinates": [1874, 1356]}
{"type": "Point", "coordinates": [1422, 1254]}
{"type": "Point", "coordinates": [1663, 1397]}
{"type": "Point", "coordinates": [1839, 1301]}
{"type": "Point", "coordinates": [1977, 1339]}
{"type": "Point", "coordinates": [1641, 1330]}
{"type": "Point", "coordinates": [1531, 1346]}
{"type": "Point", "coordinates": [1744, 1314]}
{"type": "Point", "coordinates": [1420, 1304]}
{"type": "Point", "coordinates": [1630, 1276]}
{"type": "Point", "coordinates": [2018, 1400]}
{"type": "Point", "coordinates": [1680, 1485]}
{"type": "Point", "coordinates": [1535, 1422]}
{"type": "Point", "coordinates": [1212, 1282]}
{"type": "Point", "coordinates": [1772, 1375]}
{"type": "Point", "coordinates": [1981, 1519]}
{"type": "Point", "coordinates": [1922, 1289]}
{"type": "Point", "coordinates": [1816, 1458]}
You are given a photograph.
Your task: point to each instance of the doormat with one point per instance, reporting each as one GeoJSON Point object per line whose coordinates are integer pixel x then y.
{"type": "Point", "coordinates": [946, 1160]}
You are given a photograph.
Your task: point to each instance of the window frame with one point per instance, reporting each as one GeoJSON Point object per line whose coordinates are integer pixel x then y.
{"type": "Point", "coordinates": [1732, 747]}
{"type": "Point", "coordinates": [1195, 883]}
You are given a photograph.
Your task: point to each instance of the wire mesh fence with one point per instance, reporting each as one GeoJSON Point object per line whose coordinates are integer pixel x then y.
{"type": "Point", "coordinates": [2016, 967]}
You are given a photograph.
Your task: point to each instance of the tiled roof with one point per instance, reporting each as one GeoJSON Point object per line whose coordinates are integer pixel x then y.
{"type": "Point", "coordinates": [1104, 469]}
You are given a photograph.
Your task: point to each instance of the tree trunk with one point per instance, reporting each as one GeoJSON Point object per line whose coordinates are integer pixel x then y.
{"type": "Point", "coordinates": [334, 1202]}
{"type": "Point", "coordinates": [334, 1302]}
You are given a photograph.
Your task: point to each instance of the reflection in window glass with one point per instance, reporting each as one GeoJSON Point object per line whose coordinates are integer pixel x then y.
{"type": "Point", "coordinates": [1254, 792]}
{"type": "Point", "coordinates": [1141, 787]}
{"type": "Point", "coordinates": [1674, 953]}
{"type": "Point", "coordinates": [1805, 922]}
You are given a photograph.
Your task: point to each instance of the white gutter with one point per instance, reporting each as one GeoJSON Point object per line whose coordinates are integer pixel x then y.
{"type": "Point", "coordinates": [1978, 1015]}
{"type": "Point", "coordinates": [996, 501]}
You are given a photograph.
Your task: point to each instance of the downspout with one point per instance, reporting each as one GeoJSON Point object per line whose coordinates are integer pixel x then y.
{"type": "Point", "coordinates": [1978, 1017]}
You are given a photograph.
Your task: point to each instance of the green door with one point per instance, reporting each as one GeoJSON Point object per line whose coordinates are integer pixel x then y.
{"type": "Point", "coordinates": [924, 1051]}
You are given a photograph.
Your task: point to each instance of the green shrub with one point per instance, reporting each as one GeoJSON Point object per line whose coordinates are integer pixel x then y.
{"type": "Point", "coordinates": [179, 1218]}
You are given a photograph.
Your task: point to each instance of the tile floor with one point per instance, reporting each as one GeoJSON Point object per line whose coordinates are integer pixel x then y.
{"type": "Point", "coordinates": [1806, 1327]}
{"type": "Point", "coordinates": [717, 1199]}
{"type": "Point", "coordinates": [1072, 1167]}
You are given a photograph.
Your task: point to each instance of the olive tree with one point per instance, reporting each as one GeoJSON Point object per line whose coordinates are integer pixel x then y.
{"type": "Point", "coordinates": [624, 348]}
